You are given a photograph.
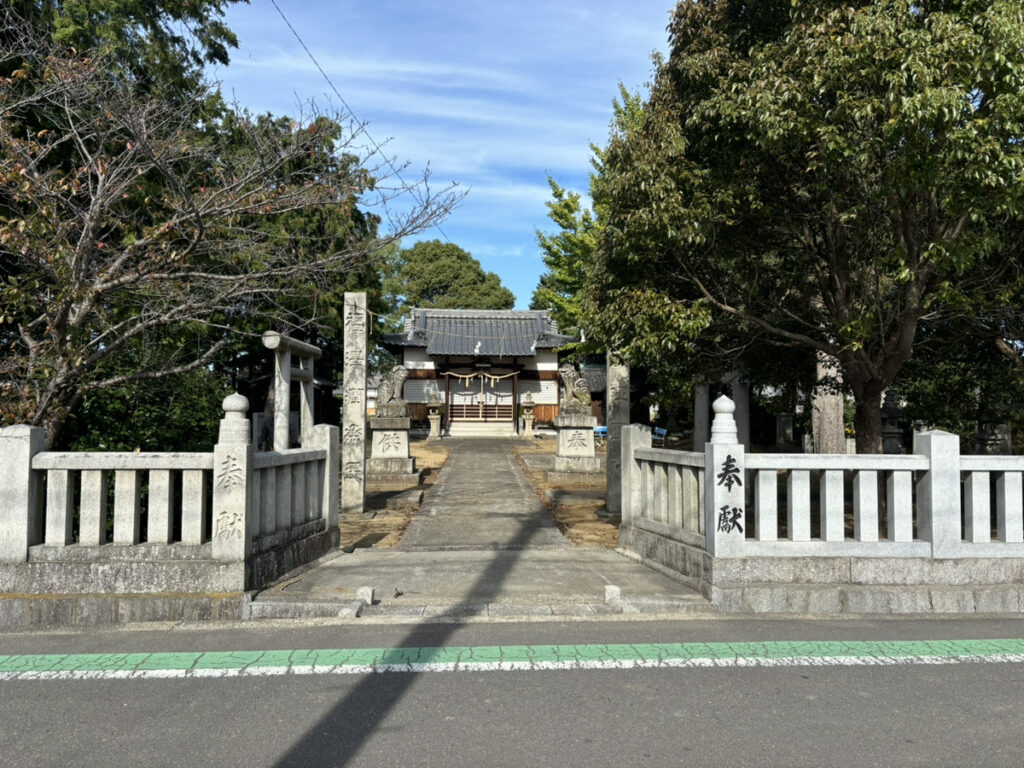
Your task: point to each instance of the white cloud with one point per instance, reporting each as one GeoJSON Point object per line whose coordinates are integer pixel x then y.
{"type": "Point", "coordinates": [495, 96]}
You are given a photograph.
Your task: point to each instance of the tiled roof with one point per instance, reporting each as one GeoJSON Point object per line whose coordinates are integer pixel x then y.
{"type": "Point", "coordinates": [479, 332]}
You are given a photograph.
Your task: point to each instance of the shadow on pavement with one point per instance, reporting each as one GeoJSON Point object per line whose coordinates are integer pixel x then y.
{"type": "Point", "coordinates": [337, 738]}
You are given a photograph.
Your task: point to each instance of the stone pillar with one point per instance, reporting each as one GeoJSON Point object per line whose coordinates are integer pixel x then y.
{"type": "Point", "coordinates": [233, 524]}
{"type": "Point", "coordinates": [353, 428]}
{"type": "Point", "coordinates": [724, 496]}
{"type": "Point", "coordinates": [827, 408]}
{"type": "Point", "coordinates": [938, 493]}
{"type": "Point", "coordinates": [21, 514]}
{"type": "Point", "coordinates": [634, 436]}
{"type": "Point", "coordinates": [617, 410]}
{"type": "Point", "coordinates": [701, 408]}
{"type": "Point", "coordinates": [575, 451]}
{"type": "Point", "coordinates": [307, 388]}
{"type": "Point", "coordinates": [282, 398]}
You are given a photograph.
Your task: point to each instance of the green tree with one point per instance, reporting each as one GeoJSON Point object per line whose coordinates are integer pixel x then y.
{"type": "Point", "coordinates": [136, 222]}
{"type": "Point", "coordinates": [818, 177]}
{"type": "Point", "coordinates": [568, 256]}
{"type": "Point", "coordinates": [437, 275]}
{"type": "Point", "coordinates": [161, 44]}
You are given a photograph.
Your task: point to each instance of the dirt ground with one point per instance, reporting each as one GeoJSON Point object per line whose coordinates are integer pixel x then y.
{"type": "Point", "coordinates": [381, 526]}
{"type": "Point", "coordinates": [583, 519]}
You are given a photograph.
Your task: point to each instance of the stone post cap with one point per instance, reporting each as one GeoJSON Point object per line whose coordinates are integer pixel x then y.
{"type": "Point", "coordinates": [235, 406]}
{"type": "Point", "coordinates": [723, 428]}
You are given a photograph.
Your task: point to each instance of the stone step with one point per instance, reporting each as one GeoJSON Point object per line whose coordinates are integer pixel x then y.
{"type": "Point", "coordinates": [481, 429]}
{"type": "Point", "coordinates": [550, 606]}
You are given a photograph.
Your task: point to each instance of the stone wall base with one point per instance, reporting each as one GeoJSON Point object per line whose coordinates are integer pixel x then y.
{"type": "Point", "coordinates": [271, 564]}
{"type": "Point", "coordinates": [20, 611]}
{"type": "Point", "coordinates": [112, 584]}
{"type": "Point", "coordinates": [833, 585]}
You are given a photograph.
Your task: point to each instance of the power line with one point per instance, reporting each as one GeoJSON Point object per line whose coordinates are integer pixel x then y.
{"type": "Point", "coordinates": [344, 103]}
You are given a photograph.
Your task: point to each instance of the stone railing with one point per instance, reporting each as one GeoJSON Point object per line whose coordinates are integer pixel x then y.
{"type": "Point", "coordinates": [218, 522]}
{"type": "Point", "coordinates": [174, 486]}
{"type": "Point", "coordinates": [723, 517]}
{"type": "Point", "coordinates": [665, 489]}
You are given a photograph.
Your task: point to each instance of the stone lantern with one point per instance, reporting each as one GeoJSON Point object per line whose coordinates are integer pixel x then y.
{"type": "Point", "coordinates": [434, 416]}
{"type": "Point", "coordinates": [892, 434]}
{"type": "Point", "coordinates": [528, 417]}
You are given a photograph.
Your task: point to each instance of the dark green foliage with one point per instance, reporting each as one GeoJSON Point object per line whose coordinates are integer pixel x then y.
{"type": "Point", "coordinates": [823, 177]}
{"type": "Point", "coordinates": [181, 413]}
{"type": "Point", "coordinates": [437, 275]}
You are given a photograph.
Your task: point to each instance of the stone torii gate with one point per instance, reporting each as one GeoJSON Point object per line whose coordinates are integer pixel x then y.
{"type": "Point", "coordinates": [288, 352]}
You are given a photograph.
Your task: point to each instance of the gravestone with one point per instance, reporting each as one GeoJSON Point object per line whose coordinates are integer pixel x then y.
{"type": "Point", "coordinates": [353, 432]}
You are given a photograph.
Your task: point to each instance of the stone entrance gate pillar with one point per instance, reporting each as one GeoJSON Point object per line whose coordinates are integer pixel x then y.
{"type": "Point", "coordinates": [353, 428]}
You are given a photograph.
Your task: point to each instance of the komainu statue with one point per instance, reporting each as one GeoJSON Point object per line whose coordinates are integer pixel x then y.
{"type": "Point", "coordinates": [389, 394]}
{"type": "Point", "coordinates": [575, 391]}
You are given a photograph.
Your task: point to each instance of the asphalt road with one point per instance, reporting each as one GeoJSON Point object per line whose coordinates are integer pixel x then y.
{"type": "Point", "coordinates": [854, 712]}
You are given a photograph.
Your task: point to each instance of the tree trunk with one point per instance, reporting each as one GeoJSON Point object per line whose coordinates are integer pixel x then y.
{"type": "Point", "coordinates": [867, 416]}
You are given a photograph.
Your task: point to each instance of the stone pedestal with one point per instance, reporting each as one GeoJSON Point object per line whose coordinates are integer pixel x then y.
{"type": "Point", "coordinates": [389, 465]}
{"type": "Point", "coordinates": [576, 444]}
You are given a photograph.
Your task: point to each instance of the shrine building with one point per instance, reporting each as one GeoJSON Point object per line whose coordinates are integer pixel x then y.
{"type": "Point", "coordinates": [480, 365]}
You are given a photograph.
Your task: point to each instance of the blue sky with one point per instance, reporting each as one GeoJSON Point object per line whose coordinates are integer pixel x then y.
{"type": "Point", "coordinates": [493, 95]}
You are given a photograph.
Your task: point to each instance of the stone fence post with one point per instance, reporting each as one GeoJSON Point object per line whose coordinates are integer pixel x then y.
{"type": "Point", "coordinates": [21, 516]}
{"type": "Point", "coordinates": [634, 436]}
{"type": "Point", "coordinates": [724, 494]}
{"type": "Point", "coordinates": [327, 437]}
{"type": "Point", "coordinates": [234, 525]}
{"type": "Point", "coordinates": [938, 493]}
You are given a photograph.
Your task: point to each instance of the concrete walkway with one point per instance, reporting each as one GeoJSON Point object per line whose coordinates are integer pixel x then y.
{"type": "Point", "coordinates": [481, 546]}
{"type": "Point", "coordinates": [482, 500]}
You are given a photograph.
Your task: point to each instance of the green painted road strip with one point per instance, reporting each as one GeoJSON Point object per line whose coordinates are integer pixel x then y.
{"type": "Point", "coordinates": [220, 664]}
